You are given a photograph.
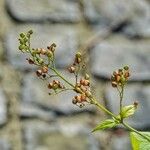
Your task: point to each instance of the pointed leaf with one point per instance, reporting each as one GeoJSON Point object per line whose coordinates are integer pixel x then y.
{"type": "Point", "coordinates": [128, 111]}
{"type": "Point", "coordinates": [109, 123]}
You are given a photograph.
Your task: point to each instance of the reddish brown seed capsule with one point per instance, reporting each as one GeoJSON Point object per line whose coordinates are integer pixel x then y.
{"type": "Point", "coordinates": [86, 83]}
{"type": "Point", "coordinates": [127, 74]}
{"type": "Point", "coordinates": [82, 81]}
{"type": "Point", "coordinates": [30, 61]}
{"type": "Point", "coordinates": [56, 82]}
{"type": "Point", "coordinates": [78, 98]}
{"type": "Point", "coordinates": [114, 84]}
{"type": "Point", "coordinates": [71, 69]}
{"type": "Point", "coordinates": [39, 72]}
{"type": "Point", "coordinates": [43, 51]}
{"type": "Point", "coordinates": [83, 97]}
{"type": "Point", "coordinates": [74, 101]}
{"type": "Point", "coordinates": [50, 85]}
{"type": "Point", "coordinates": [118, 78]}
{"type": "Point", "coordinates": [44, 69]}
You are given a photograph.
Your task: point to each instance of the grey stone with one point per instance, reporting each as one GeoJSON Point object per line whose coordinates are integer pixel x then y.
{"type": "Point", "coordinates": [132, 15]}
{"type": "Point", "coordinates": [35, 91]}
{"type": "Point", "coordinates": [107, 12]}
{"type": "Point", "coordinates": [4, 144]}
{"type": "Point", "coordinates": [28, 110]}
{"type": "Point", "coordinates": [140, 22]}
{"type": "Point", "coordinates": [48, 10]}
{"type": "Point", "coordinates": [114, 54]}
{"type": "Point", "coordinates": [3, 107]}
{"type": "Point", "coordinates": [135, 92]}
{"type": "Point", "coordinates": [56, 136]}
{"type": "Point", "coordinates": [64, 36]}
{"type": "Point", "coordinates": [121, 142]}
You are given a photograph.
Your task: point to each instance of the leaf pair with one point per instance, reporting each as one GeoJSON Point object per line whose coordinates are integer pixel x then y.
{"type": "Point", "coordinates": [110, 123]}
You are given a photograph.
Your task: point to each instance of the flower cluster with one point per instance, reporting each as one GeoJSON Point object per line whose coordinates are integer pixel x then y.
{"type": "Point", "coordinates": [83, 88]}
{"type": "Point", "coordinates": [45, 60]}
{"type": "Point", "coordinates": [120, 77]}
{"type": "Point", "coordinates": [24, 41]}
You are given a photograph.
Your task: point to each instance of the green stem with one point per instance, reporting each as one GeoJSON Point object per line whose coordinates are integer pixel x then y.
{"type": "Point", "coordinates": [95, 102]}
{"type": "Point", "coordinates": [134, 130]}
{"type": "Point", "coordinates": [57, 73]}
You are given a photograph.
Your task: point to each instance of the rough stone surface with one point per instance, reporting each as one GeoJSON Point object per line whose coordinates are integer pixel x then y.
{"type": "Point", "coordinates": [48, 10]}
{"type": "Point", "coordinates": [64, 36]}
{"type": "Point", "coordinates": [30, 111]}
{"type": "Point", "coordinates": [121, 142]}
{"type": "Point", "coordinates": [133, 14]}
{"type": "Point", "coordinates": [36, 92]}
{"type": "Point", "coordinates": [57, 136]}
{"type": "Point", "coordinates": [135, 92]}
{"type": "Point", "coordinates": [3, 108]}
{"type": "Point", "coordinates": [111, 55]}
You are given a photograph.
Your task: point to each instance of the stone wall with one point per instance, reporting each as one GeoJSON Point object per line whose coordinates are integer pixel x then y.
{"type": "Point", "coordinates": [110, 33]}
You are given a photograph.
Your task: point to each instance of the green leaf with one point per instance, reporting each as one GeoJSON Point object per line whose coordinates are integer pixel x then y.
{"type": "Point", "coordinates": [128, 111]}
{"type": "Point", "coordinates": [109, 123]}
{"type": "Point", "coordinates": [139, 142]}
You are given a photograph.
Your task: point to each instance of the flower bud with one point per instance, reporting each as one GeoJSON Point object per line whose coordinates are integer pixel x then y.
{"type": "Point", "coordinates": [78, 55]}
{"type": "Point", "coordinates": [86, 83]}
{"type": "Point", "coordinates": [126, 68]}
{"type": "Point", "coordinates": [118, 78]}
{"type": "Point", "coordinates": [78, 60]}
{"type": "Point", "coordinates": [74, 101]}
{"type": "Point", "coordinates": [114, 84]}
{"type": "Point", "coordinates": [77, 89]}
{"type": "Point", "coordinates": [78, 98]}
{"type": "Point", "coordinates": [43, 51]}
{"type": "Point", "coordinates": [127, 74]}
{"type": "Point", "coordinates": [83, 97]}
{"type": "Point", "coordinates": [49, 54]}
{"type": "Point", "coordinates": [40, 60]}
{"type": "Point", "coordinates": [44, 69]}
{"type": "Point", "coordinates": [56, 82]}
{"type": "Point", "coordinates": [115, 73]}
{"type": "Point", "coordinates": [87, 77]}
{"type": "Point", "coordinates": [21, 47]}
{"type": "Point", "coordinates": [30, 61]}
{"type": "Point", "coordinates": [55, 86]}
{"type": "Point", "coordinates": [50, 85]}
{"type": "Point", "coordinates": [39, 72]}
{"type": "Point", "coordinates": [22, 35]}
{"type": "Point", "coordinates": [71, 69]}
{"type": "Point", "coordinates": [21, 41]}
{"type": "Point", "coordinates": [30, 31]}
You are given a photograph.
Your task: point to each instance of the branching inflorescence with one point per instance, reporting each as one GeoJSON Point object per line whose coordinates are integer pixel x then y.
{"type": "Point", "coordinates": [44, 59]}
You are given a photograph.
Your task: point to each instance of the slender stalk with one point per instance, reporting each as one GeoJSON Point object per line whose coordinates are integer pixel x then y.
{"type": "Point", "coordinates": [57, 73]}
{"type": "Point", "coordinates": [96, 103]}
{"type": "Point", "coordinates": [134, 130]}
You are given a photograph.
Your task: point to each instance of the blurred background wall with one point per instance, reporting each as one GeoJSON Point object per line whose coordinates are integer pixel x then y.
{"type": "Point", "coordinates": [111, 33]}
